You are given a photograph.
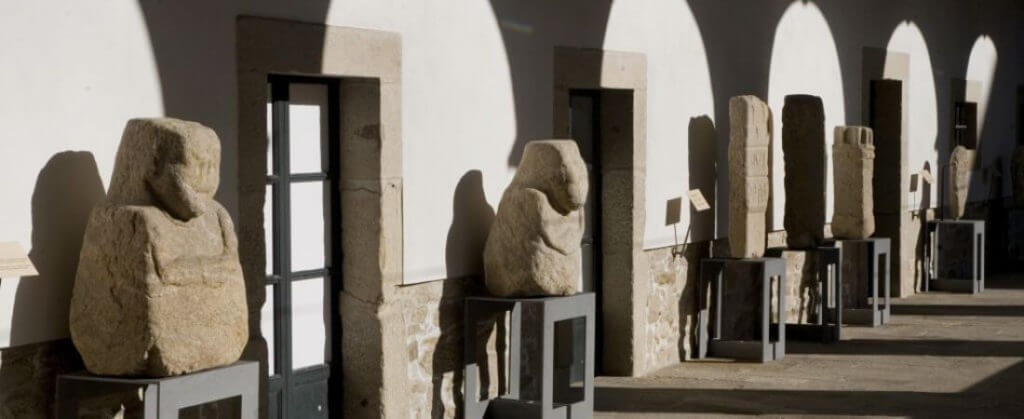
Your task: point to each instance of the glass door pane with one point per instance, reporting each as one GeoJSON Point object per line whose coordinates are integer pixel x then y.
{"type": "Point", "coordinates": [307, 127]}
{"type": "Point", "coordinates": [308, 226]}
{"type": "Point", "coordinates": [309, 323]}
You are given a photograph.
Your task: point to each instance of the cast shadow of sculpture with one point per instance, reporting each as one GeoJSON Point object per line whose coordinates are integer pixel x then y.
{"type": "Point", "coordinates": [703, 162]}
{"type": "Point", "coordinates": [689, 300]}
{"type": "Point", "coordinates": [66, 190]}
{"type": "Point", "coordinates": [921, 212]}
{"type": "Point", "coordinates": [472, 217]}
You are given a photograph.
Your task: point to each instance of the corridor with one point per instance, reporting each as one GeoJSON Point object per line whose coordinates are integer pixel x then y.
{"type": "Point", "coordinates": [943, 355]}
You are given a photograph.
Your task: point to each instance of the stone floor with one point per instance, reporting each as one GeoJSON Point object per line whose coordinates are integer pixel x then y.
{"type": "Point", "coordinates": [942, 355]}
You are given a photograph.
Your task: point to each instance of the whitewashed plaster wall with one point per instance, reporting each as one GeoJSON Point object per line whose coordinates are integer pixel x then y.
{"type": "Point", "coordinates": [72, 73]}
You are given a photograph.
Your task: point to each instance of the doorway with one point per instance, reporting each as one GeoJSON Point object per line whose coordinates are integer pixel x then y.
{"type": "Point", "coordinates": [303, 242]}
{"type": "Point", "coordinates": [601, 122]}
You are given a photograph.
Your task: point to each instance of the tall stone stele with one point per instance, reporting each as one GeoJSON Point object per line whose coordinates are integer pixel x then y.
{"type": "Point", "coordinates": [853, 165]}
{"type": "Point", "coordinates": [803, 149]}
{"type": "Point", "coordinates": [961, 161]}
{"type": "Point", "coordinates": [533, 248]}
{"type": "Point", "coordinates": [159, 289]}
{"type": "Point", "coordinates": [749, 139]}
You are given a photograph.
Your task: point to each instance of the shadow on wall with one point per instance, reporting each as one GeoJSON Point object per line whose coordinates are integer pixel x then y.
{"type": "Point", "coordinates": [472, 217]}
{"type": "Point", "coordinates": [67, 188]}
{"type": "Point", "coordinates": [689, 300]}
{"type": "Point", "coordinates": [530, 30]}
{"type": "Point", "coordinates": [703, 163]}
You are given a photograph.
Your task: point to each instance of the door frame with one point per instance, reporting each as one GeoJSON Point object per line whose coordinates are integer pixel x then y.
{"type": "Point", "coordinates": [371, 194]}
{"type": "Point", "coordinates": [624, 266]}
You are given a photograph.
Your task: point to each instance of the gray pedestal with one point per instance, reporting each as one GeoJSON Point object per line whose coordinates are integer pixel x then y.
{"type": "Point", "coordinates": [878, 312]}
{"type": "Point", "coordinates": [772, 342]}
{"type": "Point", "coordinates": [164, 397]}
{"type": "Point", "coordinates": [829, 324]}
{"type": "Point", "coordinates": [540, 316]}
{"type": "Point", "coordinates": [976, 283]}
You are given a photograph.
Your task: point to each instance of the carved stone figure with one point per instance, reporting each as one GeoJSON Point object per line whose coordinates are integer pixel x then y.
{"type": "Point", "coordinates": [1017, 176]}
{"type": "Point", "coordinates": [159, 288]}
{"type": "Point", "coordinates": [749, 137]}
{"type": "Point", "coordinates": [853, 164]}
{"type": "Point", "coordinates": [803, 149]}
{"type": "Point", "coordinates": [960, 163]}
{"type": "Point", "coordinates": [534, 245]}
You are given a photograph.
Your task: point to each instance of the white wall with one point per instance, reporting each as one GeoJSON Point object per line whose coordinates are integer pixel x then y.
{"type": "Point", "coordinates": [73, 73]}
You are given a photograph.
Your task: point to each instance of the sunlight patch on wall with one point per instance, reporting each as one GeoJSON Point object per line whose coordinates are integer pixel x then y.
{"type": "Point", "coordinates": [804, 61]}
{"type": "Point", "coordinates": [981, 67]}
{"type": "Point", "coordinates": [458, 125]}
{"type": "Point", "coordinates": [922, 108]}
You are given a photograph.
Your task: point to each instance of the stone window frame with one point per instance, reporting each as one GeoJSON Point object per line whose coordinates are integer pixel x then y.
{"type": "Point", "coordinates": [369, 61]}
{"type": "Point", "coordinates": [622, 199]}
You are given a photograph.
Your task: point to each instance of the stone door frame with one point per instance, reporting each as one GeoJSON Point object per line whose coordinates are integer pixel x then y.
{"type": "Point", "coordinates": [368, 62]}
{"type": "Point", "coordinates": [623, 166]}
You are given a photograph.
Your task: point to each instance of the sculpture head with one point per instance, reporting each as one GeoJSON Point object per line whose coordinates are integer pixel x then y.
{"type": "Point", "coordinates": [555, 168]}
{"type": "Point", "coordinates": [169, 163]}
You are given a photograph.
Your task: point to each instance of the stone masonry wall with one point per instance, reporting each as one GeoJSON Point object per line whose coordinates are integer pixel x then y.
{"type": "Point", "coordinates": [28, 377]}
{"type": "Point", "coordinates": [672, 304]}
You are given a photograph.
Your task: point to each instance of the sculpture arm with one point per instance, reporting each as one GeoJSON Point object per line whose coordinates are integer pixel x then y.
{"type": "Point", "coordinates": [561, 232]}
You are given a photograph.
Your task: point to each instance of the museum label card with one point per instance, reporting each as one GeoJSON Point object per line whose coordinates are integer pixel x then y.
{"type": "Point", "coordinates": [14, 262]}
{"type": "Point", "coordinates": [698, 201]}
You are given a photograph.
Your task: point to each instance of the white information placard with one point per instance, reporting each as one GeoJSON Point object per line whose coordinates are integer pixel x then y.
{"type": "Point", "coordinates": [698, 201]}
{"type": "Point", "coordinates": [14, 261]}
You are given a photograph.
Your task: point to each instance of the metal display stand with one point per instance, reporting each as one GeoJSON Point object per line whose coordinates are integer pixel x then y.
{"type": "Point", "coordinates": [973, 285]}
{"type": "Point", "coordinates": [829, 325]}
{"type": "Point", "coordinates": [164, 397]}
{"type": "Point", "coordinates": [541, 316]}
{"type": "Point", "coordinates": [879, 251]}
{"type": "Point", "coordinates": [771, 346]}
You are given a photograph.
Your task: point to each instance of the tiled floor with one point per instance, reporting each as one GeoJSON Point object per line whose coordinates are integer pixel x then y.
{"type": "Point", "coordinates": [942, 355]}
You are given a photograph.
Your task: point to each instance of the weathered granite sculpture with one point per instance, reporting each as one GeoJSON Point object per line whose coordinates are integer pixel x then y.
{"type": "Point", "coordinates": [803, 149]}
{"type": "Point", "coordinates": [960, 163]}
{"type": "Point", "coordinates": [853, 165]}
{"type": "Point", "coordinates": [1017, 176]}
{"type": "Point", "coordinates": [533, 247]}
{"type": "Point", "coordinates": [159, 288]}
{"type": "Point", "coordinates": [749, 138]}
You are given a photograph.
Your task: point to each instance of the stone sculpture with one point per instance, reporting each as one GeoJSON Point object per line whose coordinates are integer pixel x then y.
{"type": "Point", "coordinates": [960, 163]}
{"type": "Point", "coordinates": [159, 289]}
{"type": "Point", "coordinates": [803, 149]}
{"type": "Point", "coordinates": [853, 164]}
{"type": "Point", "coordinates": [749, 138]}
{"type": "Point", "coordinates": [1017, 176]}
{"type": "Point", "coordinates": [533, 247]}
